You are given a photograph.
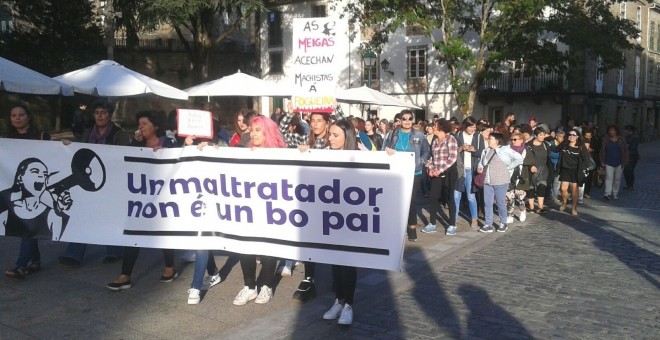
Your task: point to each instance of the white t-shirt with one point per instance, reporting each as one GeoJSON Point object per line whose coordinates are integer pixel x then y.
{"type": "Point", "coordinates": [467, 156]}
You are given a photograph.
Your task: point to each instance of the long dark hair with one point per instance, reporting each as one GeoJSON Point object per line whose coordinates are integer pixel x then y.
{"type": "Point", "coordinates": [18, 186]}
{"type": "Point", "coordinates": [32, 130]}
{"type": "Point", "coordinates": [311, 139]}
{"type": "Point", "coordinates": [350, 140]}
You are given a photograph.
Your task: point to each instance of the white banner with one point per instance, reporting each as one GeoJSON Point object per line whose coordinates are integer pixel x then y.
{"type": "Point", "coordinates": [320, 48]}
{"type": "Point", "coordinates": [339, 207]}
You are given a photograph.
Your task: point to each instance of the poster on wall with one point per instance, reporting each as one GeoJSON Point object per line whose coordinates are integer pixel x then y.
{"type": "Point", "coordinates": [337, 207]}
{"type": "Point", "coordinates": [320, 49]}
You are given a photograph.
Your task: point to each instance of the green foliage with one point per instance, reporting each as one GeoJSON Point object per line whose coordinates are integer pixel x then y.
{"type": "Point", "coordinates": [474, 37]}
{"type": "Point", "coordinates": [53, 37]}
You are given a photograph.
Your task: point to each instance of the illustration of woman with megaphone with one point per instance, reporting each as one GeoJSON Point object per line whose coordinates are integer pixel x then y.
{"type": "Point", "coordinates": [30, 208]}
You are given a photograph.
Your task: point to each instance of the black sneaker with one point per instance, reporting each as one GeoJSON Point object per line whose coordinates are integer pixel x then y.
{"type": "Point", "coordinates": [502, 228]}
{"type": "Point", "coordinates": [486, 229]}
{"type": "Point", "coordinates": [306, 290]}
{"type": "Point", "coordinates": [412, 234]}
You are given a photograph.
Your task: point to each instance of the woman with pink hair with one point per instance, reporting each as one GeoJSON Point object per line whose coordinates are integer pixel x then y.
{"type": "Point", "coordinates": [264, 134]}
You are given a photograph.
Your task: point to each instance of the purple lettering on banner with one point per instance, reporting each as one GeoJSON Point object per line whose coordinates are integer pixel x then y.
{"type": "Point", "coordinates": [185, 188]}
{"type": "Point", "coordinates": [272, 188]}
{"type": "Point", "coordinates": [143, 184]}
{"type": "Point", "coordinates": [211, 186]}
{"type": "Point", "coordinates": [235, 184]}
{"type": "Point", "coordinates": [327, 223]}
{"type": "Point", "coordinates": [373, 193]}
{"type": "Point", "coordinates": [223, 185]}
{"type": "Point", "coordinates": [226, 215]}
{"type": "Point", "coordinates": [362, 218]}
{"type": "Point", "coordinates": [285, 190]}
{"type": "Point", "coordinates": [360, 195]}
{"type": "Point", "coordinates": [307, 190]}
{"type": "Point", "coordinates": [334, 190]}
{"type": "Point", "coordinates": [270, 212]}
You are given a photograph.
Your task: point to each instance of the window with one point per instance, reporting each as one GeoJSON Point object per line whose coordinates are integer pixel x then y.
{"type": "Point", "coordinates": [5, 19]}
{"type": "Point", "coordinates": [599, 75]}
{"type": "Point", "coordinates": [622, 10]}
{"type": "Point", "coordinates": [417, 62]}
{"type": "Point", "coordinates": [657, 72]}
{"type": "Point", "coordinates": [370, 75]}
{"type": "Point", "coordinates": [651, 71]}
{"type": "Point", "coordinates": [275, 29]}
{"type": "Point", "coordinates": [275, 65]}
{"type": "Point", "coordinates": [652, 36]}
{"type": "Point", "coordinates": [319, 11]}
{"type": "Point", "coordinates": [638, 18]}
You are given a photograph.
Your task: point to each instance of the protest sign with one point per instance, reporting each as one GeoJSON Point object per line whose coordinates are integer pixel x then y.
{"type": "Point", "coordinates": [198, 123]}
{"type": "Point", "coordinates": [339, 207]}
{"type": "Point", "coordinates": [320, 48]}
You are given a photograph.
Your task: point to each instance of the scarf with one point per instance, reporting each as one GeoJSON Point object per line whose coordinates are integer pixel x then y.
{"type": "Point", "coordinates": [96, 138]}
{"type": "Point", "coordinates": [518, 149]}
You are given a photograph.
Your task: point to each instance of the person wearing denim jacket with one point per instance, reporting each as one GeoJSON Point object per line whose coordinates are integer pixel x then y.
{"type": "Point", "coordinates": [416, 143]}
{"type": "Point", "coordinates": [467, 151]}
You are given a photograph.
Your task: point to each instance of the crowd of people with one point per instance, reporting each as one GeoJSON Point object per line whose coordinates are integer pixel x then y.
{"type": "Point", "coordinates": [474, 166]}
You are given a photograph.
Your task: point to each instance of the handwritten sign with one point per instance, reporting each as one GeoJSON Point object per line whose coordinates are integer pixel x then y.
{"type": "Point", "coordinates": [320, 46]}
{"type": "Point", "coordinates": [196, 123]}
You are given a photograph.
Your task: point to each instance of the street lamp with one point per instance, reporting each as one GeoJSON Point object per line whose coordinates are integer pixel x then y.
{"type": "Point", "coordinates": [385, 66]}
{"type": "Point", "coordinates": [369, 59]}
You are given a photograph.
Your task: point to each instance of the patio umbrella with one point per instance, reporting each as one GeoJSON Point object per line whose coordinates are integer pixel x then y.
{"type": "Point", "coordinates": [366, 95]}
{"type": "Point", "coordinates": [110, 79]}
{"type": "Point", "coordinates": [239, 84]}
{"type": "Point", "coordinates": [20, 79]}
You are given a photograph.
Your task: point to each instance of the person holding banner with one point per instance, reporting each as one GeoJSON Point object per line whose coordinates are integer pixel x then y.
{"type": "Point", "coordinates": [263, 134]}
{"type": "Point", "coordinates": [344, 278]}
{"type": "Point", "coordinates": [150, 134]}
{"type": "Point", "coordinates": [106, 132]}
{"type": "Point", "coordinates": [317, 139]}
{"type": "Point", "coordinates": [292, 130]}
{"type": "Point", "coordinates": [407, 139]}
{"type": "Point", "coordinates": [21, 126]}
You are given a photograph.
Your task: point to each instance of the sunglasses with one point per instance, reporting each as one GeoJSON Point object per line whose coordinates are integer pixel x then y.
{"type": "Point", "coordinates": [572, 135]}
{"type": "Point", "coordinates": [407, 119]}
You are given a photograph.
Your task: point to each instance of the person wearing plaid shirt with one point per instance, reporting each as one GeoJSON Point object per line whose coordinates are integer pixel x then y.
{"type": "Point", "coordinates": [442, 171]}
{"type": "Point", "coordinates": [292, 130]}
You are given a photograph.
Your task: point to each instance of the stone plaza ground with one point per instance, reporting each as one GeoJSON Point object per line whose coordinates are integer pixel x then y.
{"type": "Point", "coordinates": [594, 276]}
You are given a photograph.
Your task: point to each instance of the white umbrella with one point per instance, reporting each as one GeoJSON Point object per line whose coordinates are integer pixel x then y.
{"type": "Point", "coordinates": [110, 79]}
{"type": "Point", "coordinates": [366, 95]}
{"type": "Point", "coordinates": [239, 84]}
{"type": "Point", "coordinates": [20, 79]}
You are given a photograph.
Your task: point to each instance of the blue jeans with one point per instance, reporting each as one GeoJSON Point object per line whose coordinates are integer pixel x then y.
{"type": "Point", "coordinates": [77, 251]}
{"type": "Point", "coordinates": [203, 260]}
{"type": "Point", "coordinates": [492, 194]}
{"type": "Point", "coordinates": [472, 199]}
{"type": "Point", "coordinates": [29, 251]}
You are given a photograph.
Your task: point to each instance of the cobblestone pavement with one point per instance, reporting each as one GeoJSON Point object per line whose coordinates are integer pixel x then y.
{"type": "Point", "coordinates": [596, 276]}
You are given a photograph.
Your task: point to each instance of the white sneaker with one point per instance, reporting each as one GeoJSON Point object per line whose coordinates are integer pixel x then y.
{"type": "Point", "coordinates": [509, 219]}
{"type": "Point", "coordinates": [213, 279]}
{"type": "Point", "coordinates": [189, 256]}
{"type": "Point", "coordinates": [346, 317]}
{"type": "Point", "coordinates": [287, 269]}
{"type": "Point", "coordinates": [523, 216]}
{"type": "Point", "coordinates": [334, 312]}
{"type": "Point", "coordinates": [193, 296]}
{"type": "Point", "coordinates": [264, 295]}
{"type": "Point", "coordinates": [245, 295]}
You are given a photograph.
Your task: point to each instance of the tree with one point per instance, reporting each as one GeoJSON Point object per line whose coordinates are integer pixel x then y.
{"type": "Point", "coordinates": [473, 37]}
{"type": "Point", "coordinates": [53, 37]}
{"type": "Point", "coordinates": [209, 22]}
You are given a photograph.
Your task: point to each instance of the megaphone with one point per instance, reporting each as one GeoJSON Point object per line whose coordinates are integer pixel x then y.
{"type": "Point", "coordinates": [87, 171]}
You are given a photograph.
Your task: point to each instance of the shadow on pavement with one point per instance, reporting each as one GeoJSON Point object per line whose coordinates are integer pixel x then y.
{"type": "Point", "coordinates": [486, 319]}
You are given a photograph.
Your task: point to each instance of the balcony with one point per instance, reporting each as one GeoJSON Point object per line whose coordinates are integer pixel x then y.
{"type": "Point", "coordinates": [175, 45]}
{"type": "Point", "coordinates": [508, 82]}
